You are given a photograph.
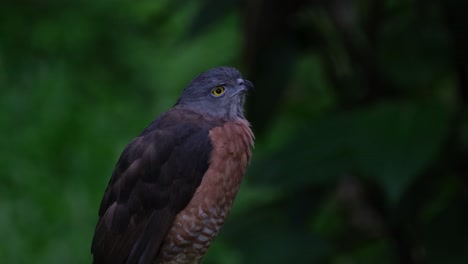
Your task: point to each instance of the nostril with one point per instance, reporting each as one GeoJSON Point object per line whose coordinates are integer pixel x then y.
{"type": "Point", "coordinates": [240, 82]}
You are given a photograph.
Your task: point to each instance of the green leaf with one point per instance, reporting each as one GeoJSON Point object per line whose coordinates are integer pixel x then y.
{"type": "Point", "coordinates": [391, 143]}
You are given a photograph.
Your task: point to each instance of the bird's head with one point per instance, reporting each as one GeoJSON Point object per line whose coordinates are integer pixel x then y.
{"type": "Point", "coordinates": [218, 92]}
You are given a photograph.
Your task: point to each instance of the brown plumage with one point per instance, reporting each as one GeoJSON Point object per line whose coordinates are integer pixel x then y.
{"type": "Point", "coordinates": [212, 201]}
{"type": "Point", "coordinates": [175, 184]}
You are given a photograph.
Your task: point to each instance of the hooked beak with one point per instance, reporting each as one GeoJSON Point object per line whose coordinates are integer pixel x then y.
{"type": "Point", "coordinates": [245, 86]}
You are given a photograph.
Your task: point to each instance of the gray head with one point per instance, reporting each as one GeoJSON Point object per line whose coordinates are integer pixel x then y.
{"type": "Point", "coordinates": [218, 92]}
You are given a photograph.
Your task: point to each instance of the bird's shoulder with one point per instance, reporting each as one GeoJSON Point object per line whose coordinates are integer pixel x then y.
{"type": "Point", "coordinates": [174, 137]}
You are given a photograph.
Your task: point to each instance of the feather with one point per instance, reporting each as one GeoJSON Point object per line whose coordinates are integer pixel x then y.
{"type": "Point", "coordinates": [154, 179]}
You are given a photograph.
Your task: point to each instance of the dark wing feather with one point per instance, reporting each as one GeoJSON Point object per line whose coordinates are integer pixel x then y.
{"type": "Point", "coordinates": [154, 179]}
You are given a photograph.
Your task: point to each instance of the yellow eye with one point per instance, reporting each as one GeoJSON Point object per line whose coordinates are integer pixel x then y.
{"type": "Point", "coordinates": [217, 91]}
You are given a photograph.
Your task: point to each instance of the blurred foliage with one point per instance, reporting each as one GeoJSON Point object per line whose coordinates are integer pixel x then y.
{"type": "Point", "coordinates": [359, 111]}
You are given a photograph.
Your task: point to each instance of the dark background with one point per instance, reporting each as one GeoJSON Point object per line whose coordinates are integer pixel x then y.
{"type": "Point", "coordinates": [360, 116]}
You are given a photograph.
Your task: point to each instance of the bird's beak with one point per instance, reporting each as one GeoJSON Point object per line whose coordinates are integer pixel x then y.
{"type": "Point", "coordinates": [249, 86]}
{"type": "Point", "coordinates": [244, 86]}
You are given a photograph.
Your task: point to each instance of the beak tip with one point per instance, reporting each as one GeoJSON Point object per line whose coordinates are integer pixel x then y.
{"type": "Point", "coordinates": [249, 86]}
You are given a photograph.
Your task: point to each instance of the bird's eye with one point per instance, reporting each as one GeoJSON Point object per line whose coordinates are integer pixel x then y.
{"type": "Point", "coordinates": [217, 91]}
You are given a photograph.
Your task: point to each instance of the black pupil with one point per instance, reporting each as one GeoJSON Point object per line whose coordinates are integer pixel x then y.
{"type": "Point", "coordinates": [218, 91]}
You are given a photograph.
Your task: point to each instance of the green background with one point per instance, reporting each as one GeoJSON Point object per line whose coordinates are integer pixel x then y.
{"type": "Point", "coordinates": [360, 114]}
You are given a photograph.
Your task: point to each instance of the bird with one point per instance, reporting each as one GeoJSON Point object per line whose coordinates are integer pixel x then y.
{"type": "Point", "coordinates": [174, 185]}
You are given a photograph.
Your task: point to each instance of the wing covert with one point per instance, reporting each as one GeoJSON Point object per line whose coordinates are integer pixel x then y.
{"type": "Point", "coordinates": [154, 179]}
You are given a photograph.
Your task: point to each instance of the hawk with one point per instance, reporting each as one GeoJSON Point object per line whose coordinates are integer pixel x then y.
{"type": "Point", "coordinates": [174, 185]}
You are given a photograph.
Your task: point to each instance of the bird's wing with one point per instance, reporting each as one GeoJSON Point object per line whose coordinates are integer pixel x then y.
{"type": "Point", "coordinates": [154, 179]}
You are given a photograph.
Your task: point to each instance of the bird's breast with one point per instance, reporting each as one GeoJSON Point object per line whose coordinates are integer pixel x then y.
{"type": "Point", "coordinates": [195, 226]}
